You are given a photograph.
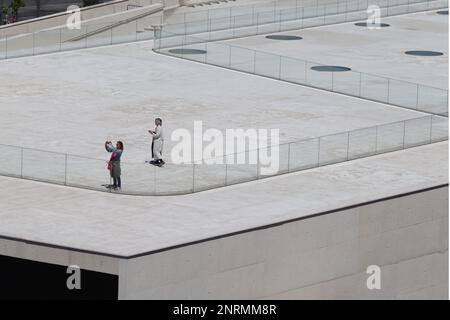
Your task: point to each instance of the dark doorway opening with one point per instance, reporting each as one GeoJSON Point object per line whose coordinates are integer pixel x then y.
{"type": "Point", "coordinates": [27, 279]}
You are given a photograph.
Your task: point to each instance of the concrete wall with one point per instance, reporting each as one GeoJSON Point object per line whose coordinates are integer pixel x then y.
{"type": "Point", "coordinates": [321, 257]}
{"type": "Point", "coordinates": [58, 256]}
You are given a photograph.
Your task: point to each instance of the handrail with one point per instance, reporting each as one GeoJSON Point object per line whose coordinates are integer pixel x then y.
{"type": "Point", "coordinates": [279, 11]}
{"type": "Point", "coordinates": [115, 24]}
{"type": "Point", "coordinates": [54, 46]}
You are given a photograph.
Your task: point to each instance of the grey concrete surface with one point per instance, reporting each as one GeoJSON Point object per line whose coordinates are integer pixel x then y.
{"type": "Point", "coordinates": [124, 225]}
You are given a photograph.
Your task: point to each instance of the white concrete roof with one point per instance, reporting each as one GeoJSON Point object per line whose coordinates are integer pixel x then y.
{"type": "Point", "coordinates": [127, 225]}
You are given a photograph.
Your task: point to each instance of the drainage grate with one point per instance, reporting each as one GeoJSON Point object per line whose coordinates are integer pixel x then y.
{"type": "Point", "coordinates": [372, 25]}
{"type": "Point", "coordinates": [424, 53]}
{"type": "Point", "coordinates": [330, 68]}
{"type": "Point", "coordinates": [187, 51]}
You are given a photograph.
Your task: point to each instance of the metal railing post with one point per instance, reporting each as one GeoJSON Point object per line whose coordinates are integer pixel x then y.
{"type": "Point", "coordinates": [332, 81]}
{"type": "Point", "coordinates": [279, 23]}
{"type": "Point", "coordinates": [274, 13]}
{"type": "Point", "coordinates": [226, 172]}
{"type": "Point", "coordinates": [193, 177]}
{"type": "Point", "coordinates": [389, 90]}
{"type": "Point", "coordinates": [210, 28]}
{"type": "Point", "coordinates": [376, 139]}
{"type": "Point", "coordinates": [21, 162]}
{"type": "Point", "coordinates": [253, 14]}
{"type": "Point", "coordinates": [289, 157]}
{"type": "Point", "coordinates": [446, 103]}
{"type": "Point", "coordinates": [86, 38]}
{"type": "Point", "coordinates": [65, 169]}
{"type": "Point", "coordinates": [154, 180]}
{"type": "Point", "coordinates": [257, 163]}
{"type": "Point", "coordinates": [34, 44]}
{"type": "Point", "coordinates": [318, 152]}
{"type": "Point", "coordinates": [404, 134]}
{"type": "Point", "coordinates": [257, 23]}
{"type": "Point", "coordinates": [348, 144]}
{"type": "Point", "coordinates": [417, 96]}
{"type": "Point", "coordinates": [279, 69]}
{"type": "Point", "coordinates": [346, 10]}
{"type": "Point", "coordinates": [306, 72]}
{"type": "Point", "coordinates": [303, 17]}
{"type": "Point", "coordinates": [360, 84]}
{"type": "Point", "coordinates": [136, 31]}
{"type": "Point", "coordinates": [431, 129]}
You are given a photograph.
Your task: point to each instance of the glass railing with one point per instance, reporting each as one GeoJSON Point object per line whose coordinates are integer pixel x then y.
{"type": "Point", "coordinates": [353, 83]}
{"type": "Point", "coordinates": [235, 22]}
{"type": "Point", "coordinates": [238, 9]}
{"type": "Point", "coordinates": [172, 179]}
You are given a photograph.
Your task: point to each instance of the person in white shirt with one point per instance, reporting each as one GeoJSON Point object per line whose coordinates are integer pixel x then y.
{"type": "Point", "coordinates": [157, 142]}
